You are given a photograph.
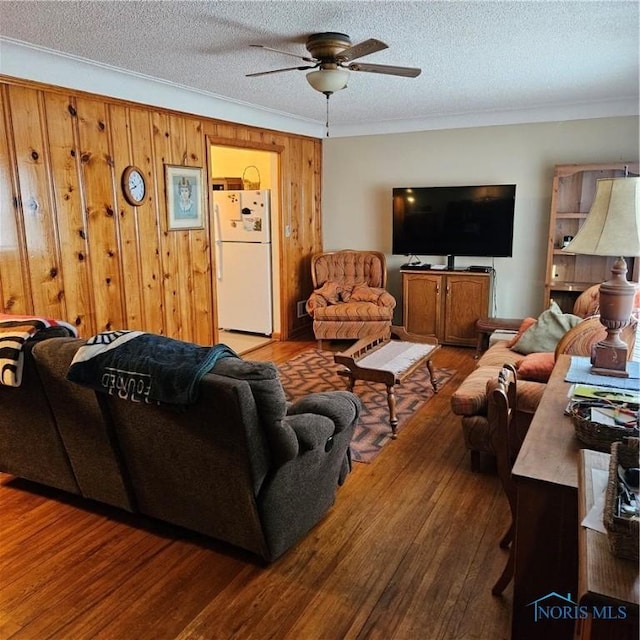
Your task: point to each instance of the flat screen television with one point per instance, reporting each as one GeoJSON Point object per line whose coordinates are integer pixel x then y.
{"type": "Point", "coordinates": [454, 221]}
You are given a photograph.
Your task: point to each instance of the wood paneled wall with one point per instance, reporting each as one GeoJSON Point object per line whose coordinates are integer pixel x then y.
{"type": "Point", "coordinates": [71, 247]}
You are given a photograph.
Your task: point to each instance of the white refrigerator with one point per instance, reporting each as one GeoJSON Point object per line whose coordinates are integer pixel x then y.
{"type": "Point", "coordinates": [242, 227]}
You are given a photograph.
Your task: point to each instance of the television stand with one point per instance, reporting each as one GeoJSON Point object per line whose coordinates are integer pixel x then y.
{"type": "Point", "coordinates": [451, 263]}
{"type": "Point", "coordinates": [445, 304]}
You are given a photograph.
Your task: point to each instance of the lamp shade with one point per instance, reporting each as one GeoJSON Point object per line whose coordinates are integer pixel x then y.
{"type": "Point", "coordinates": [328, 80]}
{"type": "Point", "coordinates": [612, 227]}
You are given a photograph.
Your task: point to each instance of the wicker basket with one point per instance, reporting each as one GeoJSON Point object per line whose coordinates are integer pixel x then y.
{"type": "Point", "coordinates": [622, 533]}
{"type": "Point", "coordinates": [593, 434]}
{"type": "Point", "coordinates": [251, 178]}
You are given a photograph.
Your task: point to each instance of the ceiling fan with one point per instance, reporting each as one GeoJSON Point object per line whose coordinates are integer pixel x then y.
{"type": "Point", "coordinates": [332, 55]}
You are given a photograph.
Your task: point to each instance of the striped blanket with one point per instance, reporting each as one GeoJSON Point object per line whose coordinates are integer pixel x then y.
{"type": "Point", "coordinates": [15, 331]}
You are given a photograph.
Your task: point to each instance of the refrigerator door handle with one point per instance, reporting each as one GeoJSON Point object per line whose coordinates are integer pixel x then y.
{"type": "Point", "coordinates": [218, 242]}
{"type": "Point", "coordinates": [218, 259]}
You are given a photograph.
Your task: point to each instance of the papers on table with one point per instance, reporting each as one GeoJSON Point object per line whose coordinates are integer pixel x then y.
{"type": "Point", "coordinates": [593, 519]}
{"type": "Point", "coordinates": [613, 417]}
{"type": "Point", "coordinates": [606, 405]}
{"type": "Point", "coordinates": [610, 394]}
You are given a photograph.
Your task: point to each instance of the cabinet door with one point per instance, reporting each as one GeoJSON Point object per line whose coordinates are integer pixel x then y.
{"type": "Point", "coordinates": [466, 300]}
{"type": "Point", "coordinates": [421, 295]}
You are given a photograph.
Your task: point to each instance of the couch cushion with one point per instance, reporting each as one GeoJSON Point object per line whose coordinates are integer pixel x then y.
{"type": "Point", "coordinates": [470, 398]}
{"type": "Point", "coordinates": [588, 302]}
{"type": "Point", "coordinates": [475, 428]}
{"type": "Point", "coordinates": [264, 382]}
{"type": "Point", "coordinates": [331, 292]}
{"type": "Point", "coordinates": [526, 323]}
{"type": "Point", "coordinates": [544, 335]}
{"type": "Point", "coordinates": [529, 393]}
{"type": "Point", "coordinates": [536, 366]}
{"type": "Point", "coordinates": [353, 311]}
{"type": "Point", "coordinates": [363, 328]}
{"type": "Point", "coordinates": [363, 293]}
{"type": "Point", "coordinates": [498, 355]}
{"type": "Point", "coordinates": [87, 433]}
{"type": "Point", "coordinates": [271, 403]}
{"type": "Point", "coordinates": [30, 443]}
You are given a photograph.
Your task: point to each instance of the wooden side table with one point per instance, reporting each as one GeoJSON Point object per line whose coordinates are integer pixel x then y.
{"type": "Point", "coordinates": [379, 359]}
{"type": "Point", "coordinates": [486, 326]}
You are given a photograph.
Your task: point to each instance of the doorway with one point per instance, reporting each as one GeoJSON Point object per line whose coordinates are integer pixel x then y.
{"type": "Point", "coordinates": [240, 169]}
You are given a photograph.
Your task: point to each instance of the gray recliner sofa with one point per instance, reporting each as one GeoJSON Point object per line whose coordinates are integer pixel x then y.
{"type": "Point", "coordinates": [240, 464]}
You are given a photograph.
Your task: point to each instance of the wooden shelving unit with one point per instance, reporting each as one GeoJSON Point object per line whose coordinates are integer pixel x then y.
{"type": "Point", "coordinates": [569, 274]}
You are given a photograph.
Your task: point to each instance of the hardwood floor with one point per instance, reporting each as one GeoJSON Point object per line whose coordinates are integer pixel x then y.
{"type": "Point", "coordinates": [408, 552]}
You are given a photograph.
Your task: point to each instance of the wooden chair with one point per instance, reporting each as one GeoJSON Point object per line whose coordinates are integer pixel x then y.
{"type": "Point", "coordinates": [506, 444]}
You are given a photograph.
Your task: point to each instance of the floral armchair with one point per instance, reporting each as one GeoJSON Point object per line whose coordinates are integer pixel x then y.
{"type": "Point", "coordinates": [349, 300]}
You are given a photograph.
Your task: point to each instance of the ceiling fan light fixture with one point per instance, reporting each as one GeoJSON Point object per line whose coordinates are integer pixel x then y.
{"type": "Point", "coordinates": [328, 81]}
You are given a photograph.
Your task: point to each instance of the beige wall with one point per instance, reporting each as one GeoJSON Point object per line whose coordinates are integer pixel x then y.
{"type": "Point", "coordinates": [359, 173]}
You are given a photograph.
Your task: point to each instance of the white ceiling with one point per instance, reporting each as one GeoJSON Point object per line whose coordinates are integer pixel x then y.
{"type": "Point", "coordinates": [509, 59]}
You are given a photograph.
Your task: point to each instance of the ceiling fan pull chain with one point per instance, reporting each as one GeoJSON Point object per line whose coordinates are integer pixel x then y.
{"type": "Point", "coordinates": [327, 124]}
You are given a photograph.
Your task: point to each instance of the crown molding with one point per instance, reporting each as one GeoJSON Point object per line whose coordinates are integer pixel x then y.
{"type": "Point", "coordinates": [22, 60]}
{"type": "Point", "coordinates": [29, 62]}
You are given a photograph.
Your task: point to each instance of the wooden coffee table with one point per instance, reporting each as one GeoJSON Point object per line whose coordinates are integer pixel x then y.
{"type": "Point", "coordinates": [380, 359]}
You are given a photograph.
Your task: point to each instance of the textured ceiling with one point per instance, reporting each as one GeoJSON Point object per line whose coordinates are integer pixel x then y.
{"type": "Point", "coordinates": [476, 57]}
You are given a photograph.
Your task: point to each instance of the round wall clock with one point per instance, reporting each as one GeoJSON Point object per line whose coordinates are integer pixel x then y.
{"type": "Point", "coordinates": [134, 186]}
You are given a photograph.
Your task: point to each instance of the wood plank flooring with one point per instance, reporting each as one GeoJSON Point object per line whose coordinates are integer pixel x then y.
{"type": "Point", "coordinates": [408, 552]}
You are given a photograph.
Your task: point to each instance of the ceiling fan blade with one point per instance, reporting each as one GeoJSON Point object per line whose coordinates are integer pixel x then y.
{"type": "Point", "coordinates": [286, 53]}
{"type": "Point", "coordinates": [265, 73]}
{"type": "Point", "coordinates": [361, 49]}
{"type": "Point", "coordinates": [407, 72]}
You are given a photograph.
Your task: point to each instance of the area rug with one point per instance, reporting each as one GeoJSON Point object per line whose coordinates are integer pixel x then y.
{"type": "Point", "coordinates": [315, 370]}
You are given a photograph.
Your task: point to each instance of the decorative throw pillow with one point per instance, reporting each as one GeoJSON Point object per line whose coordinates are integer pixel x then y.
{"type": "Point", "coordinates": [364, 293]}
{"type": "Point", "coordinates": [524, 325]}
{"type": "Point", "coordinates": [330, 291]}
{"type": "Point", "coordinates": [544, 335]}
{"type": "Point", "coordinates": [536, 366]}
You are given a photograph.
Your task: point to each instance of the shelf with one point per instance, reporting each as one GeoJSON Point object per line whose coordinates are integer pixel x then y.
{"type": "Point", "coordinates": [569, 286]}
{"type": "Point", "coordinates": [567, 273]}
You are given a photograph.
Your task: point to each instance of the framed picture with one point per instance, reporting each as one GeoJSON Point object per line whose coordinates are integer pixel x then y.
{"type": "Point", "coordinates": [185, 197]}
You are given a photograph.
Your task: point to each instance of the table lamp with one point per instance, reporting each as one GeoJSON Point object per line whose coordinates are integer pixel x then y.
{"type": "Point", "coordinates": [612, 228]}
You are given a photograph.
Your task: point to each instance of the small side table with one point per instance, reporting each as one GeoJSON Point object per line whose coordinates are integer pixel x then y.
{"type": "Point", "coordinates": [486, 326]}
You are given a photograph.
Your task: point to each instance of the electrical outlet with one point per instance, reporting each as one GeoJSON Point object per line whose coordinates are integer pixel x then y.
{"type": "Point", "coordinates": [302, 312]}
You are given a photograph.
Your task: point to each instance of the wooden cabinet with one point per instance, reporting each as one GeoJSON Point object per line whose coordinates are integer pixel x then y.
{"type": "Point", "coordinates": [445, 304]}
{"type": "Point", "coordinates": [567, 274]}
